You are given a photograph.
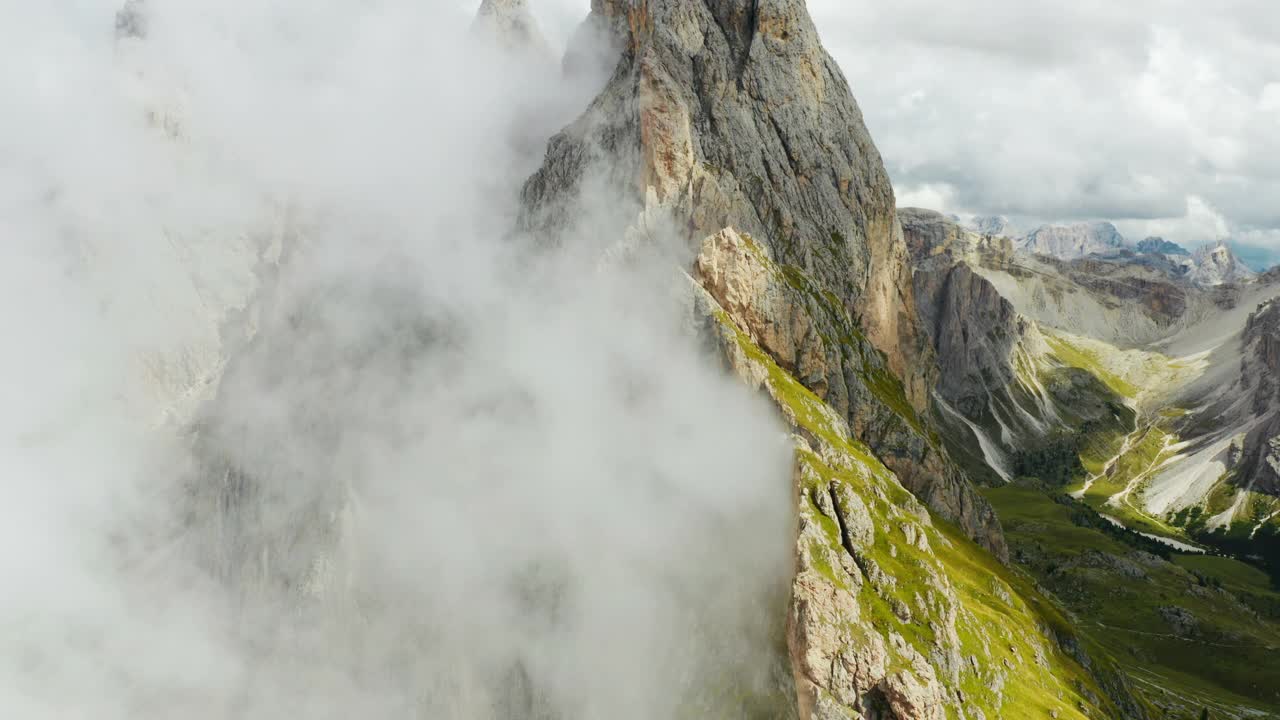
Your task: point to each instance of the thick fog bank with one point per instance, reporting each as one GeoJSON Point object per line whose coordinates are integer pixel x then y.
{"type": "Point", "coordinates": [296, 427]}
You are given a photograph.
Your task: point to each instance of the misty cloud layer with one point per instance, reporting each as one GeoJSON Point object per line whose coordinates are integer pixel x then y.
{"type": "Point", "coordinates": [297, 428]}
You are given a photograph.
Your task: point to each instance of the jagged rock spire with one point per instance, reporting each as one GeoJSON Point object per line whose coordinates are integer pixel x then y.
{"type": "Point", "coordinates": [510, 23]}
{"type": "Point", "coordinates": [732, 114]}
{"type": "Point", "coordinates": [131, 20]}
{"type": "Point", "coordinates": [742, 118]}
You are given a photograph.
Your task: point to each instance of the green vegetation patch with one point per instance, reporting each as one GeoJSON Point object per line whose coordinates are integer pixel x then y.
{"type": "Point", "coordinates": [1004, 624]}
{"type": "Point", "coordinates": [1089, 360]}
{"type": "Point", "coordinates": [1184, 641]}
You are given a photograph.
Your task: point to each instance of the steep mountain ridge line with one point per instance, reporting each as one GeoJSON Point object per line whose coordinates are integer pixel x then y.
{"type": "Point", "coordinates": [910, 628]}
{"type": "Point", "coordinates": [720, 114]}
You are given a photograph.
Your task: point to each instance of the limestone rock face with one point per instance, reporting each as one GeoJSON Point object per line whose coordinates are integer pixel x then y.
{"type": "Point", "coordinates": [735, 115]}
{"type": "Point", "coordinates": [724, 114]}
{"type": "Point", "coordinates": [928, 234]}
{"type": "Point", "coordinates": [1001, 392]}
{"type": "Point", "coordinates": [976, 333]}
{"type": "Point", "coordinates": [1257, 465]}
{"type": "Point", "coordinates": [813, 338]}
{"type": "Point", "coordinates": [974, 330]}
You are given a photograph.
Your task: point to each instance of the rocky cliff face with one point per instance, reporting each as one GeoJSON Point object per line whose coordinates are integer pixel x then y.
{"type": "Point", "coordinates": [724, 115]}
{"type": "Point", "coordinates": [814, 339]}
{"type": "Point", "coordinates": [733, 114]}
{"type": "Point", "coordinates": [1259, 466]}
{"type": "Point", "coordinates": [509, 23]}
{"type": "Point", "coordinates": [974, 330]}
{"type": "Point", "coordinates": [1125, 299]}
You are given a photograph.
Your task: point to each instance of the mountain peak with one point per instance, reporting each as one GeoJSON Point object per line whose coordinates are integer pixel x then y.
{"type": "Point", "coordinates": [510, 23]}
{"type": "Point", "coordinates": [1078, 240]}
{"type": "Point", "coordinates": [1159, 245]}
{"type": "Point", "coordinates": [1216, 264]}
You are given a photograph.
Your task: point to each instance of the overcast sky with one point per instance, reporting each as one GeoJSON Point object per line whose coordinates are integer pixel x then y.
{"type": "Point", "coordinates": [1161, 115]}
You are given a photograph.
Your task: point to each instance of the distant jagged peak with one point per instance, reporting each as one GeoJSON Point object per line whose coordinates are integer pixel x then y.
{"type": "Point", "coordinates": [1216, 264]}
{"type": "Point", "coordinates": [1069, 242]}
{"type": "Point", "coordinates": [131, 20]}
{"type": "Point", "coordinates": [1160, 246]}
{"type": "Point", "coordinates": [510, 23]}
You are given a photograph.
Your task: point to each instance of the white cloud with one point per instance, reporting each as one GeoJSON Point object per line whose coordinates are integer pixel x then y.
{"type": "Point", "coordinates": [501, 491]}
{"type": "Point", "coordinates": [1057, 111]}
{"type": "Point", "coordinates": [928, 195]}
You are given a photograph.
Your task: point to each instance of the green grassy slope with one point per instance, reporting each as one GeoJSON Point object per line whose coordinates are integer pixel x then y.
{"type": "Point", "coordinates": [1186, 641]}
{"type": "Point", "coordinates": [1022, 657]}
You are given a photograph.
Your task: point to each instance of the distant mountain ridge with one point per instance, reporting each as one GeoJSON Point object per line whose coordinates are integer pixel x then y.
{"type": "Point", "coordinates": [1210, 265]}
{"type": "Point", "coordinates": [1069, 242]}
{"type": "Point", "coordinates": [1184, 344]}
{"type": "Point", "coordinates": [1160, 246]}
{"type": "Point", "coordinates": [919, 370]}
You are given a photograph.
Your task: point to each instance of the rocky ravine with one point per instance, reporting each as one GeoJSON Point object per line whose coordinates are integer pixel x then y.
{"type": "Point", "coordinates": [733, 128]}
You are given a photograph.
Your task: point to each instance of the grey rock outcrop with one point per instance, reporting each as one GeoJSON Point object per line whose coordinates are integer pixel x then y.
{"type": "Point", "coordinates": [974, 330]}
{"type": "Point", "coordinates": [736, 116]}
{"type": "Point", "coordinates": [885, 621]}
{"type": "Point", "coordinates": [1253, 402]}
{"type": "Point", "coordinates": [978, 338]}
